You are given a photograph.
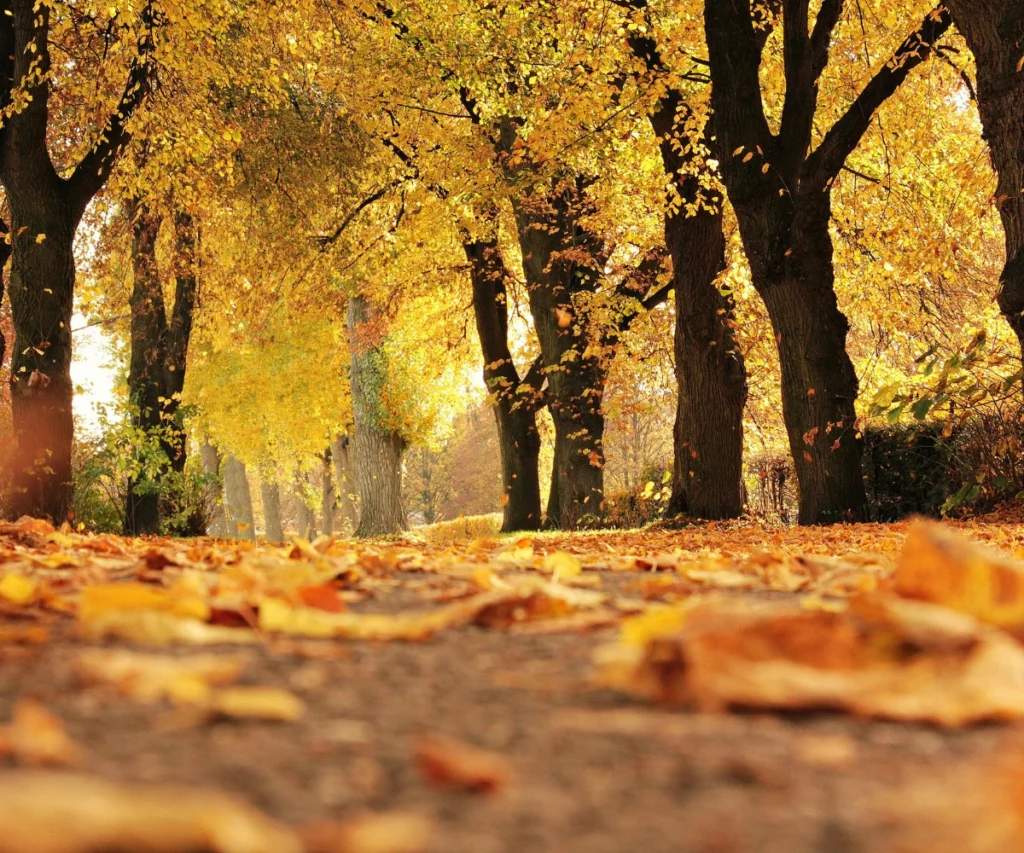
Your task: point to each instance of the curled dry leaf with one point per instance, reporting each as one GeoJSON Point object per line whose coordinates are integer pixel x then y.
{"type": "Point", "coordinates": [152, 678]}
{"type": "Point", "coordinates": [154, 628]}
{"type": "Point", "coordinates": [35, 736]}
{"type": "Point", "coordinates": [257, 703]}
{"type": "Point", "coordinates": [451, 763]}
{"type": "Point", "coordinates": [197, 681]}
{"type": "Point", "coordinates": [882, 658]}
{"type": "Point", "coordinates": [385, 832]}
{"type": "Point", "coordinates": [943, 567]}
{"type": "Point", "coordinates": [494, 609]}
{"type": "Point", "coordinates": [46, 812]}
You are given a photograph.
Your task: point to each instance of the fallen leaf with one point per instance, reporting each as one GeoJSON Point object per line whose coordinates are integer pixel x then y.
{"type": "Point", "coordinates": [48, 812]}
{"type": "Point", "coordinates": [884, 658]}
{"type": "Point", "coordinates": [35, 736]}
{"type": "Point", "coordinates": [943, 567]}
{"type": "Point", "coordinates": [153, 628]}
{"type": "Point", "coordinates": [152, 678]}
{"type": "Point", "coordinates": [450, 763]}
{"type": "Point", "coordinates": [385, 832]}
{"type": "Point", "coordinates": [17, 588]}
{"type": "Point", "coordinates": [254, 702]}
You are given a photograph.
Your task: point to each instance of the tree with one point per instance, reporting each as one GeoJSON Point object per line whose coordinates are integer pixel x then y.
{"type": "Point", "coordinates": [378, 446]}
{"type": "Point", "coordinates": [994, 30]}
{"type": "Point", "coordinates": [780, 189]}
{"type": "Point", "coordinates": [159, 351]}
{"type": "Point", "coordinates": [707, 477]}
{"type": "Point", "coordinates": [47, 201]}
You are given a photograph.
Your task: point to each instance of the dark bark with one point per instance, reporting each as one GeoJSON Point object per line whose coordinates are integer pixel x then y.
{"type": "Point", "coordinates": [271, 494]}
{"type": "Point", "coordinates": [327, 495]}
{"type": "Point", "coordinates": [994, 30]}
{"type": "Point", "coordinates": [238, 499]}
{"type": "Point", "coordinates": [5, 256]}
{"type": "Point", "coordinates": [781, 193]}
{"type": "Point", "coordinates": [159, 353]}
{"type": "Point", "coordinates": [710, 372]}
{"type": "Point", "coordinates": [515, 401]}
{"type": "Point", "coordinates": [344, 473]}
{"type": "Point", "coordinates": [45, 211]}
{"type": "Point", "coordinates": [378, 448]}
{"type": "Point", "coordinates": [561, 259]}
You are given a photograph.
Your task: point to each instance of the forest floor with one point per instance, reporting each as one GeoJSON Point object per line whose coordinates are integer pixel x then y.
{"type": "Point", "coordinates": [715, 689]}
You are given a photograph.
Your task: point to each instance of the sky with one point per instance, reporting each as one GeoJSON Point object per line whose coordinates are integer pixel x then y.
{"type": "Point", "coordinates": [90, 371]}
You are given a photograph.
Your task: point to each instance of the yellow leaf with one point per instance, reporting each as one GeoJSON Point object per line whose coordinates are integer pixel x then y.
{"type": "Point", "coordinates": [253, 702]}
{"type": "Point", "coordinates": [562, 565]}
{"type": "Point", "coordinates": [17, 588]}
{"type": "Point", "coordinates": [99, 600]}
{"type": "Point", "coordinates": [40, 238]}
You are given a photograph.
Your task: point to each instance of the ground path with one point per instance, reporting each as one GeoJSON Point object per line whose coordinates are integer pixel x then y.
{"type": "Point", "coordinates": [502, 659]}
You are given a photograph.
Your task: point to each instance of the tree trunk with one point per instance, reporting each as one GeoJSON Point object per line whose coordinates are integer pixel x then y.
{"type": "Point", "coordinates": [994, 30]}
{"type": "Point", "coordinates": [238, 500]}
{"type": "Point", "coordinates": [819, 383]}
{"type": "Point", "coordinates": [710, 372]}
{"type": "Point", "coordinates": [305, 518]}
{"type": "Point", "coordinates": [41, 289]}
{"type": "Point", "coordinates": [159, 352]}
{"type": "Point", "coordinates": [146, 366]}
{"type": "Point", "coordinates": [341, 454]}
{"type": "Point", "coordinates": [46, 208]}
{"type": "Point", "coordinates": [327, 496]}
{"type": "Point", "coordinates": [214, 493]}
{"type": "Point", "coordinates": [515, 401]}
{"type": "Point", "coordinates": [560, 259]}
{"type": "Point", "coordinates": [271, 494]}
{"type": "Point", "coordinates": [378, 449]}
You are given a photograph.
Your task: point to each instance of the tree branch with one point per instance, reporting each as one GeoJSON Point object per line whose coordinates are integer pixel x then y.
{"type": "Point", "coordinates": [824, 164]}
{"type": "Point", "coordinates": [94, 169]}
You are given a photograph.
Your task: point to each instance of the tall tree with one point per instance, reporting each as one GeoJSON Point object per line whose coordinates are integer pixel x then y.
{"type": "Point", "coordinates": [781, 191]}
{"type": "Point", "coordinates": [378, 446]}
{"type": "Point", "coordinates": [46, 205]}
{"type": "Point", "coordinates": [994, 30]}
{"type": "Point", "coordinates": [159, 352]}
{"type": "Point", "coordinates": [707, 477]}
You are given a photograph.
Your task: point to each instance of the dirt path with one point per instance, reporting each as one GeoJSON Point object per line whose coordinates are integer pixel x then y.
{"type": "Point", "coordinates": [594, 770]}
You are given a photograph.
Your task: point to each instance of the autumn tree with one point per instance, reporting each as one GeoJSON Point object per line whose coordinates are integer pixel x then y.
{"type": "Point", "coordinates": [47, 195]}
{"type": "Point", "coordinates": [994, 30]}
{"type": "Point", "coordinates": [780, 184]}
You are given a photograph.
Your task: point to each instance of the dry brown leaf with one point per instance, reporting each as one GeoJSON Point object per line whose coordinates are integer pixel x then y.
{"type": "Point", "coordinates": [154, 628]}
{"type": "Point", "coordinates": [256, 703]}
{"type": "Point", "coordinates": [385, 832]}
{"type": "Point", "coordinates": [451, 763]}
{"type": "Point", "coordinates": [36, 737]}
{"type": "Point", "coordinates": [46, 812]}
{"type": "Point", "coordinates": [883, 658]}
{"type": "Point", "coordinates": [943, 567]}
{"type": "Point", "coordinates": [152, 678]}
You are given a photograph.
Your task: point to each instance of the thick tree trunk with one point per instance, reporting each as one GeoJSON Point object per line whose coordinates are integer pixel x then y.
{"type": "Point", "coordinates": [271, 494]}
{"type": "Point", "coordinates": [781, 189]}
{"type": "Point", "coordinates": [327, 502]}
{"type": "Point", "coordinates": [710, 373]}
{"type": "Point", "coordinates": [41, 289]}
{"type": "Point", "coordinates": [560, 259]}
{"type": "Point", "coordinates": [344, 473]}
{"type": "Point", "coordinates": [994, 30]}
{"type": "Point", "coordinates": [159, 352]}
{"type": "Point", "coordinates": [216, 524]}
{"type": "Point", "coordinates": [305, 518]}
{"type": "Point", "coordinates": [238, 500]}
{"type": "Point", "coordinates": [712, 380]}
{"type": "Point", "coordinates": [819, 383]}
{"type": "Point", "coordinates": [46, 208]}
{"type": "Point", "coordinates": [515, 402]}
{"type": "Point", "coordinates": [146, 366]}
{"type": "Point", "coordinates": [378, 449]}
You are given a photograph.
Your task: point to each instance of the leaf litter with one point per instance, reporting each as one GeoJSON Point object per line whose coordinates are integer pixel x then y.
{"type": "Point", "coordinates": [914, 623]}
